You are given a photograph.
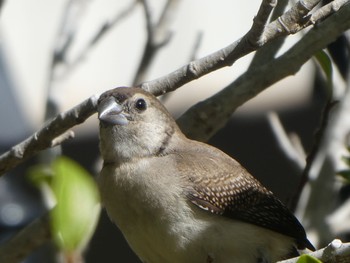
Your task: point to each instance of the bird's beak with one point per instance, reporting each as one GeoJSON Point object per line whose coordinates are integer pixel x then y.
{"type": "Point", "coordinates": [110, 112]}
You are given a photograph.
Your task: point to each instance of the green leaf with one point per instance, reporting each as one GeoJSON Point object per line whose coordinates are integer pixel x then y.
{"type": "Point", "coordinates": [74, 218]}
{"type": "Point", "coordinates": [308, 259]}
{"type": "Point", "coordinates": [326, 64]}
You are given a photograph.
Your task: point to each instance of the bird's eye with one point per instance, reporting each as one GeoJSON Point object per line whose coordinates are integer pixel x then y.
{"type": "Point", "coordinates": [141, 104]}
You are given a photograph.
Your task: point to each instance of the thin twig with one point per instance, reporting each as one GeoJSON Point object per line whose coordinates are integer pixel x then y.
{"type": "Point", "coordinates": [63, 42]}
{"type": "Point", "coordinates": [98, 36]}
{"type": "Point", "coordinates": [158, 35]}
{"type": "Point", "coordinates": [1, 4]}
{"type": "Point", "coordinates": [311, 156]}
{"type": "Point", "coordinates": [196, 46]}
{"type": "Point", "coordinates": [193, 56]}
{"type": "Point", "coordinates": [63, 137]}
{"type": "Point", "coordinates": [284, 141]}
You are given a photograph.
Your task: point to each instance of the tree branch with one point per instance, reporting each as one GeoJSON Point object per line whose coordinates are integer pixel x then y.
{"type": "Point", "coordinates": [324, 165]}
{"type": "Point", "coordinates": [285, 143]}
{"type": "Point", "coordinates": [336, 251]}
{"type": "Point", "coordinates": [293, 21]}
{"type": "Point", "coordinates": [268, 51]}
{"type": "Point", "coordinates": [223, 103]}
{"type": "Point", "coordinates": [325, 11]}
{"type": "Point", "coordinates": [26, 241]}
{"type": "Point", "coordinates": [319, 134]}
{"type": "Point", "coordinates": [201, 120]}
{"type": "Point", "coordinates": [45, 137]}
{"type": "Point", "coordinates": [158, 35]}
{"type": "Point", "coordinates": [260, 21]}
{"type": "Point", "coordinates": [99, 34]}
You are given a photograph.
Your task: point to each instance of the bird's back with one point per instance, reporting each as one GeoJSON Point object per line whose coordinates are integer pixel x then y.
{"type": "Point", "coordinates": [222, 186]}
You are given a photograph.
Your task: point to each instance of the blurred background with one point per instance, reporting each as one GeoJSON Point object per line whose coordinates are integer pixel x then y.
{"type": "Point", "coordinates": [55, 54]}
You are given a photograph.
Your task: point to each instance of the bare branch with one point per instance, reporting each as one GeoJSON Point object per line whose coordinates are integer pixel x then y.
{"type": "Point", "coordinates": [201, 120]}
{"type": "Point", "coordinates": [326, 10]}
{"type": "Point", "coordinates": [268, 51]}
{"type": "Point", "coordinates": [26, 241]}
{"type": "Point", "coordinates": [193, 56]}
{"type": "Point", "coordinates": [68, 27]}
{"type": "Point", "coordinates": [61, 138]}
{"type": "Point", "coordinates": [1, 4]}
{"type": "Point", "coordinates": [260, 21]}
{"type": "Point", "coordinates": [291, 22]}
{"type": "Point", "coordinates": [284, 142]}
{"type": "Point", "coordinates": [158, 35]}
{"type": "Point", "coordinates": [65, 36]}
{"type": "Point", "coordinates": [321, 173]}
{"type": "Point", "coordinates": [196, 45]}
{"type": "Point", "coordinates": [313, 153]}
{"type": "Point", "coordinates": [336, 251]}
{"type": "Point", "coordinates": [99, 34]}
{"type": "Point", "coordinates": [45, 137]}
{"type": "Point", "coordinates": [294, 20]}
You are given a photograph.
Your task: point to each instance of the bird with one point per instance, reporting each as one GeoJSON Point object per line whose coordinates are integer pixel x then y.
{"type": "Point", "coordinates": [180, 200]}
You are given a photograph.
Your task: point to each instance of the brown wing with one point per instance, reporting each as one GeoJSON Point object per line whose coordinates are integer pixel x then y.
{"type": "Point", "coordinates": [222, 186]}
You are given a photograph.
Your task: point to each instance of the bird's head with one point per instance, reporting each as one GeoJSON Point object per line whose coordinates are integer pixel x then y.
{"type": "Point", "coordinates": [133, 124]}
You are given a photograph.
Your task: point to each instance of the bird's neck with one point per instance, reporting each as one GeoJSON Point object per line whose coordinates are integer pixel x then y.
{"type": "Point", "coordinates": [123, 149]}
